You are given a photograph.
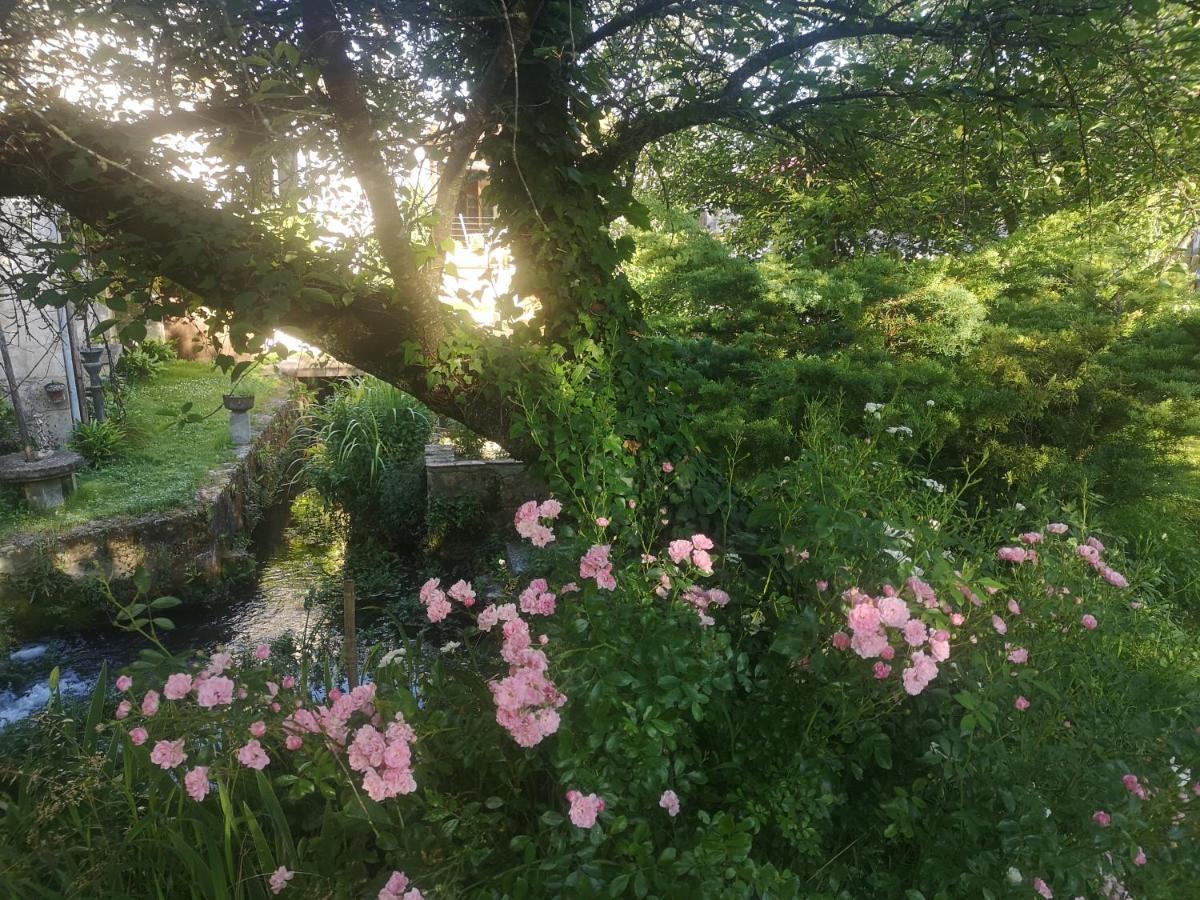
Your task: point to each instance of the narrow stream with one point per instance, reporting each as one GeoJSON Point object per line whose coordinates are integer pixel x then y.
{"type": "Point", "coordinates": [268, 607]}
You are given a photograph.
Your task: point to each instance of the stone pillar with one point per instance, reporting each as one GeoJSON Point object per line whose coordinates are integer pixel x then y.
{"type": "Point", "coordinates": [239, 418]}
{"type": "Point", "coordinates": [46, 494]}
{"type": "Point", "coordinates": [92, 365]}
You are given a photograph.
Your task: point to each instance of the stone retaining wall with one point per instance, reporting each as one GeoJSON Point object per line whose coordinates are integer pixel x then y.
{"type": "Point", "coordinates": [175, 547]}
{"type": "Point", "coordinates": [501, 485]}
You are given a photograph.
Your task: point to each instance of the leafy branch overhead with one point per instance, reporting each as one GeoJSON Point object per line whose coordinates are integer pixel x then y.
{"type": "Point", "coordinates": [199, 143]}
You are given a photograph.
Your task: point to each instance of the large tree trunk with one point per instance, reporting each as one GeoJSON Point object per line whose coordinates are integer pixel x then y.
{"type": "Point", "coordinates": [248, 279]}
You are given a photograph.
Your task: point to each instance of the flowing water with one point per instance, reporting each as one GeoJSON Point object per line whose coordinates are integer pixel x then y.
{"type": "Point", "coordinates": [264, 609]}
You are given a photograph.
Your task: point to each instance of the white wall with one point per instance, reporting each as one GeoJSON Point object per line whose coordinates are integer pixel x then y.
{"type": "Point", "coordinates": [36, 338]}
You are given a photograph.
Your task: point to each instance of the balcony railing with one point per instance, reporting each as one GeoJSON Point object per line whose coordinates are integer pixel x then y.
{"type": "Point", "coordinates": [466, 227]}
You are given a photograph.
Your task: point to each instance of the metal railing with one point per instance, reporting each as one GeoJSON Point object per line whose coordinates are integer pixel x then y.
{"type": "Point", "coordinates": [466, 226]}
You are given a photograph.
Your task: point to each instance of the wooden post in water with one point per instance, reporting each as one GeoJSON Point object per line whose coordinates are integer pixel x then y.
{"type": "Point", "coordinates": [349, 634]}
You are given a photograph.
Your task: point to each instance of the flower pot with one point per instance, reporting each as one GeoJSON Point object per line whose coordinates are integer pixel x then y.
{"type": "Point", "coordinates": [56, 391]}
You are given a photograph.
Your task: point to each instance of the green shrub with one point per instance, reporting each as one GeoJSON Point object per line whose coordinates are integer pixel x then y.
{"type": "Point", "coordinates": [137, 364]}
{"type": "Point", "coordinates": [468, 444]}
{"type": "Point", "coordinates": [162, 351]}
{"type": "Point", "coordinates": [366, 457]}
{"type": "Point", "coordinates": [100, 443]}
{"type": "Point", "coordinates": [10, 438]}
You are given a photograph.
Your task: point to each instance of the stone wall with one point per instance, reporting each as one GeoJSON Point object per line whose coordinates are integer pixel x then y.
{"type": "Point", "coordinates": [176, 547]}
{"type": "Point", "coordinates": [501, 485]}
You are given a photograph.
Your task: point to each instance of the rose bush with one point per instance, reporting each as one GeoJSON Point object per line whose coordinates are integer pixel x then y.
{"type": "Point", "coordinates": [859, 685]}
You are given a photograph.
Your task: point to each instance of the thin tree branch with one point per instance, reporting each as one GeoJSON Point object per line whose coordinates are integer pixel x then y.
{"type": "Point", "coordinates": [328, 45]}
{"type": "Point", "coordinates": [629, 139]}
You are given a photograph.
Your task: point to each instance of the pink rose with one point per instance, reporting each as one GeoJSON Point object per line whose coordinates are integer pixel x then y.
{"type": "Point", "coordinates": [215, 691]}
{"type": "Point", "coordinates": [584, 809]}
{"type": "Point", "coordinates": [196, 783]}
{"type": "Point", "coordinates": [280, 878]}
{"type": "Point", "coordinates": [138, 736]}
{"type": "Point", "coordinates": [670, 802]}
{"type": "Point", "coordinates": [178, 686]}
{"type": "Point", "coordinates": [168, 754]}
{"type": "Point", "coordinates": [150, 703]}
{"type": "Point", "coordinates": [252, 756]}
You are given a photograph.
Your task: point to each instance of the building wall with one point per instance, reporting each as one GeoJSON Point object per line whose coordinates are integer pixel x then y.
{"type": "Point", "coordinates": [37, 347]}
{"type": "Point", "coordinates": [37, 337]}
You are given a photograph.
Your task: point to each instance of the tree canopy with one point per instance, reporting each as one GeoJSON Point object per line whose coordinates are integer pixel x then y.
{"type": "Point", "coordinates": [201, 143]}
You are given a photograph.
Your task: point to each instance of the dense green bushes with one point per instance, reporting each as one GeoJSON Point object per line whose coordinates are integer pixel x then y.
{"type": "Point", "coordinates": [800, 768]}
{"type": "Point", "coordinates": [1065, 357]}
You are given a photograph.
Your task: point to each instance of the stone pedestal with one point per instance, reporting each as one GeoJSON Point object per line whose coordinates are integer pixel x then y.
{"type": "Point", "coordinates": [92, 364]}
{"type": "Point", "coordinates": [47, 481]}
{"type": "Point", "coordinates": [239, 419]}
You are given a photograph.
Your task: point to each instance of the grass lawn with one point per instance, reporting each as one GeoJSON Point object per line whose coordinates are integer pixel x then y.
{"type": "Point", "coordinates": [166, 464]}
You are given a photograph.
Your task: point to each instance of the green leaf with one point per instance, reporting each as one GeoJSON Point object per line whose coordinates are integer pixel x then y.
{"type": "Point", "coordinates": [141, 580]}
{"type": "Point", "coordinates": [95, 710]}
{"type": "Point", "coordinates": [317, 295]}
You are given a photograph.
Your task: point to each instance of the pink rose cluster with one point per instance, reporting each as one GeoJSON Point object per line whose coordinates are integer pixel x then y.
{"type": "Point", "coordinates": [538, 599]}
{"type": "Point", "coordinates": [1134, 786]}
{"type": "Point", "coordinates": [700, 599]}
{"type": "Point", "coordinates": [693, 550]}
{"type": "Point", "coordinates": [384, 759]}
{"type": "Point", "coordinates": [1092, 553]}
{"type": "Point", "coordinates": [597, 564]}
{"type": "Point", "coordinates": [333, 721]}
{"type": "Point", "coordinates": [397, 889]}
{"type": "Point", "coordinates": [1017, 555]}
{"type": "Point", "coordinates": [870, 619]}
{"type": "Point", "coordinates": [585, 808]}
{"type": "Point", "coordinates": [527, 701]}
{"type": "Point", "coordinates": [528, 521]}
{"type": "Point", "coordinates": [212, 689]}
{"type": "Point", "coordinates": [433, 598]}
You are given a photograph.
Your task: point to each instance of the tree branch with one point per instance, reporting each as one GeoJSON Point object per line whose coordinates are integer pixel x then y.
{"type": "Point", "coordinates": [649, 9]}
{"type": "Point", "coordinates": [328, 45]}
{"type": "Point", "coordinates": [251, 280]}
{"type": "Point", "coordinates": [480, 114]}
{"type": "Point", "coordinates": [629, 139]}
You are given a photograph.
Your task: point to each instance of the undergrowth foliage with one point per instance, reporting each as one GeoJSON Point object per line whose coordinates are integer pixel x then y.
{"type": "Point", "coordinates": [863, 686]}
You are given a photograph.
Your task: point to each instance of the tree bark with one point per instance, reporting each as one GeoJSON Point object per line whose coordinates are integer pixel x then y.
{"type": "Point", "coordinates": [100, 177]}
